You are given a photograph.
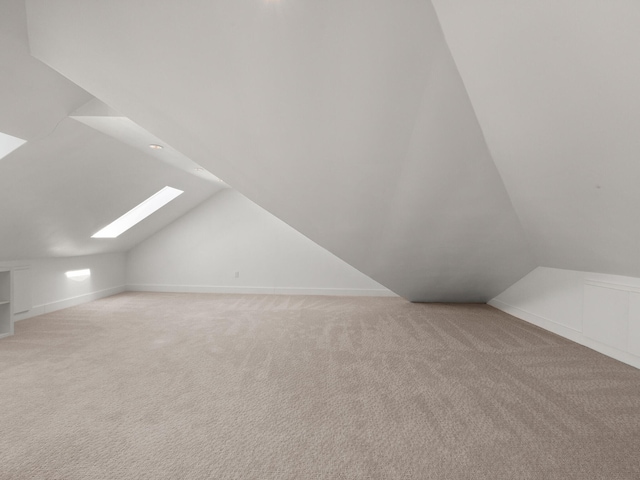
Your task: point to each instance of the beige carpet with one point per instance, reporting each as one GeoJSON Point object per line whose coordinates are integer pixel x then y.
{"type": "Point", "coordinates": [196, 386]}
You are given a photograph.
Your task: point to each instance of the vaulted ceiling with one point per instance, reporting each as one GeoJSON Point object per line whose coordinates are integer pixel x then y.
{"type": "Point", "coordinates": [68, 180]}
{"type": "Point", "coordinates": [445, 149]}
{"type": "Point", "coordinates": [556, 88]}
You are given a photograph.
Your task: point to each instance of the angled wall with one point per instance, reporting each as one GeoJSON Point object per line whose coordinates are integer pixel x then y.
{"type": "Point", "coordinates": [556, 89]}
{"type": "Point", "coordinates": [228, 235]}
{"type": "Point", "coordinates": [597, 310]}
{"type": "Point", "coordinates": [347, 120]}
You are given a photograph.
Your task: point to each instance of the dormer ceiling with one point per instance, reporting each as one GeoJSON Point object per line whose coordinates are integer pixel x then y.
{"type": "Point", "coordinates": [444, 151]}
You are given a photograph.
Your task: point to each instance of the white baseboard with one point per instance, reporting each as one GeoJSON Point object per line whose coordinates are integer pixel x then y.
{"type": "Point", "coordinates": [537, 320]}
{"type": "Point", "coordinates": [566, 332]}
{"type": "Point", "coordinates": [67, 302]}
{"type": "Point", "coordinates": [335, 292]}
{"type": "Point", "coordinates": [343, 292]}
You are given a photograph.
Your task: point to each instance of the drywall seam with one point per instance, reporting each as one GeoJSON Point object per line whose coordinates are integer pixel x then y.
{"type": "Point", "coordinates": [68, 302]}
{"type": "Point", "coordinates": [566, 332]}
{"type": "Point", "coordinates": [349, 292]}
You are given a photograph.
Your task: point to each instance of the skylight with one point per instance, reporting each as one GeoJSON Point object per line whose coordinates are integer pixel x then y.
{"type": "Point", "coordinates": [8, 144]}
{"type": "Point", "coordinates": [139, 213]}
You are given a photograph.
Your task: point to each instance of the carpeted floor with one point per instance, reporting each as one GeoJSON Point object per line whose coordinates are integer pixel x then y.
{"type": "Point", "coordinates": [198, 386]}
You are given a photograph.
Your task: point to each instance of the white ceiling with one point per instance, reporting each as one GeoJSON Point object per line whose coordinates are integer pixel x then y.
{"type": "Point", "coordinates": [556, 87]}
{"type": "Point", "coordinates": [103, 118]}
{"type": "Point", "coordinates": [348, 120]}
{"type": "Point", "coordinates": [33, 97]}
{"type": "Point", "coordinates": [68, 180]}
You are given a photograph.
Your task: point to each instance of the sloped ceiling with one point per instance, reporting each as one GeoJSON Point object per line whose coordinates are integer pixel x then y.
{"type": "Point", "coordinates": [68, 180]}
{"type": "Point", "coordinates": [556, 87]}
{"type": "Point", "coordinates": [103, 118]}
{"type": "Point", "coordinates": [34, 98]}
{"type": "Point", "coordinates": [348, 120]}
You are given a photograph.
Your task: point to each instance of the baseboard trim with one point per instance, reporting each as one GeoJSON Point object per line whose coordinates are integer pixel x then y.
{"type": "Point", "coordinates": [566, 332]}
{"type": "Point", "coordinates": [341, 292]}
{"type": "Point", "coordinates": [538, 320]}
{"type": "Point", "coordinates": [67, 302]}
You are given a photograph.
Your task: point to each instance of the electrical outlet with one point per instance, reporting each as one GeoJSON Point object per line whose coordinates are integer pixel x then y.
{"type": "Point", "coordinates": [237, 274]}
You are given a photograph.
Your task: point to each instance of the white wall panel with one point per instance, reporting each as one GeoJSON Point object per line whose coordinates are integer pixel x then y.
{"type": "Point", "coordinates": [50, 289]}
{"type": "Point", "coordinates": [597, 310]}
{"type": "Point", "coordinates": [634, 323]}
{"type": "Point", "coordinates": [21, 278]}
{"type": "Point", "coordinates": [606, 315]}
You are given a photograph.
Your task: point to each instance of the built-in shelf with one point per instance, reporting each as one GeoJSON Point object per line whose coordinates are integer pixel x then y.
{"type": "Point", "coordinates": [6, 320]}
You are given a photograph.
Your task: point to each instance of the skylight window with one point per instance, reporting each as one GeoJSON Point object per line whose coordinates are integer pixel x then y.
{"type": "Point", "coordinates": [139, 213]}
{"type": "Point", "coordinates": [8, 144]}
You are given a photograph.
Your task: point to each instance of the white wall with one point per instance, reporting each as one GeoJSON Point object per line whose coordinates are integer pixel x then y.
{"type": "Point", "coordinates": [203, 250]}
{"type": "Point", "coordinates": [51, 290]}
{"type": "Point", "coordinates": [597, 310]}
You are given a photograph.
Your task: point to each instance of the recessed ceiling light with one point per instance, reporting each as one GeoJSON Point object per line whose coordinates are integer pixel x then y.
{"type": "Point", "coordinates": [139, 213]}
{"type": "Point", "coordinates": [156, 146]}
